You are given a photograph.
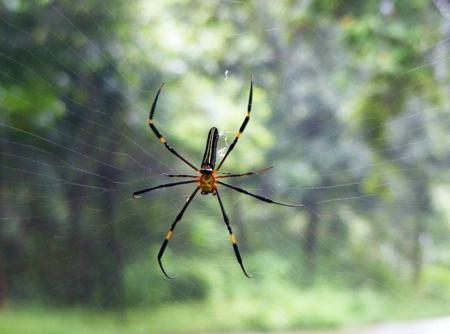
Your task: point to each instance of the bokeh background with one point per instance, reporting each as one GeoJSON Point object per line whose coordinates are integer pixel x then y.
{"type": "Point", "coordinates": [350, 107]}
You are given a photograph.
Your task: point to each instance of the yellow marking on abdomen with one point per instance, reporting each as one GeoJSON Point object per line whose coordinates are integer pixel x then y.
{"type": "Point", "coordinates": [238, 134]}
{"type": "Point", "coordinates": [169, 235]}
{"type": "Point", "coordinates": [232, 238]}
{"type": "Point", "coordinates": [162, 140]}
{"type": "Point", "coordinates": [150, 121]}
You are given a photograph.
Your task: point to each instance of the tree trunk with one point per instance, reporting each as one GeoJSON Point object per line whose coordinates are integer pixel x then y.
{"type": "Point", "coordinates": [423, 202]}
{"type": "Point", "coordinates": [311, 237]}
{"type": "Point", "coordinates": [113, 289]}
{"type": "Point", "coordinates": [77, 290]}
{"type": "Point", "coordinates": [3, 284]}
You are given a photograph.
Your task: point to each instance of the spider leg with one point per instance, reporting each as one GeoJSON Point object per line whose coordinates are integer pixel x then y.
{"type": "Point", "coordinates": [162, 140]}
{"type": "Point", "coordinates": [180, 175]}
{"type": "Point", "coordinates": [139, 193]}
{"type": "Point", "coordinates": [261, 198]}
{"type": "Point", "coordinates": [170, 232]}
{"type": "Point", "coordinates": [242, 128]}
{"type": "Point", "coordinates": [232, 237]}
{"type": "Point", "coordinates": [260, 171]}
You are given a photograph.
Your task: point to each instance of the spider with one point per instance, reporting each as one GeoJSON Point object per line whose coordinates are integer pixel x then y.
{"type": "Point", "coordinates": [207, 179]}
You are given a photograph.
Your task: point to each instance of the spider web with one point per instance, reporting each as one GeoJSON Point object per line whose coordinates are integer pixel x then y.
{"type": "Point", "coordinates": [362, 201]}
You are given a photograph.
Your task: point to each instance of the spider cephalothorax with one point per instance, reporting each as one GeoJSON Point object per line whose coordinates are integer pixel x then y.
{"type": "Point", "coordinates": [207, 183]}
{"type": "Point", "coordinates": [208, 177]}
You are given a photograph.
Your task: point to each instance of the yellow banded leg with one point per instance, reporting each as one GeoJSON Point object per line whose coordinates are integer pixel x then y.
{"type": "Point", "coordinates": [242, 128]}
{"type": "Point", "coordinates": [172, 228]}
{"type": "Point", "coordinates": [232, 237]}
{"type": "Point", "coordinates": [161, 139]}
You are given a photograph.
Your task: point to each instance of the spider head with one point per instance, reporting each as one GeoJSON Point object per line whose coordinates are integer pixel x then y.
{"type": "Point", "coordinates": [207, 170]}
